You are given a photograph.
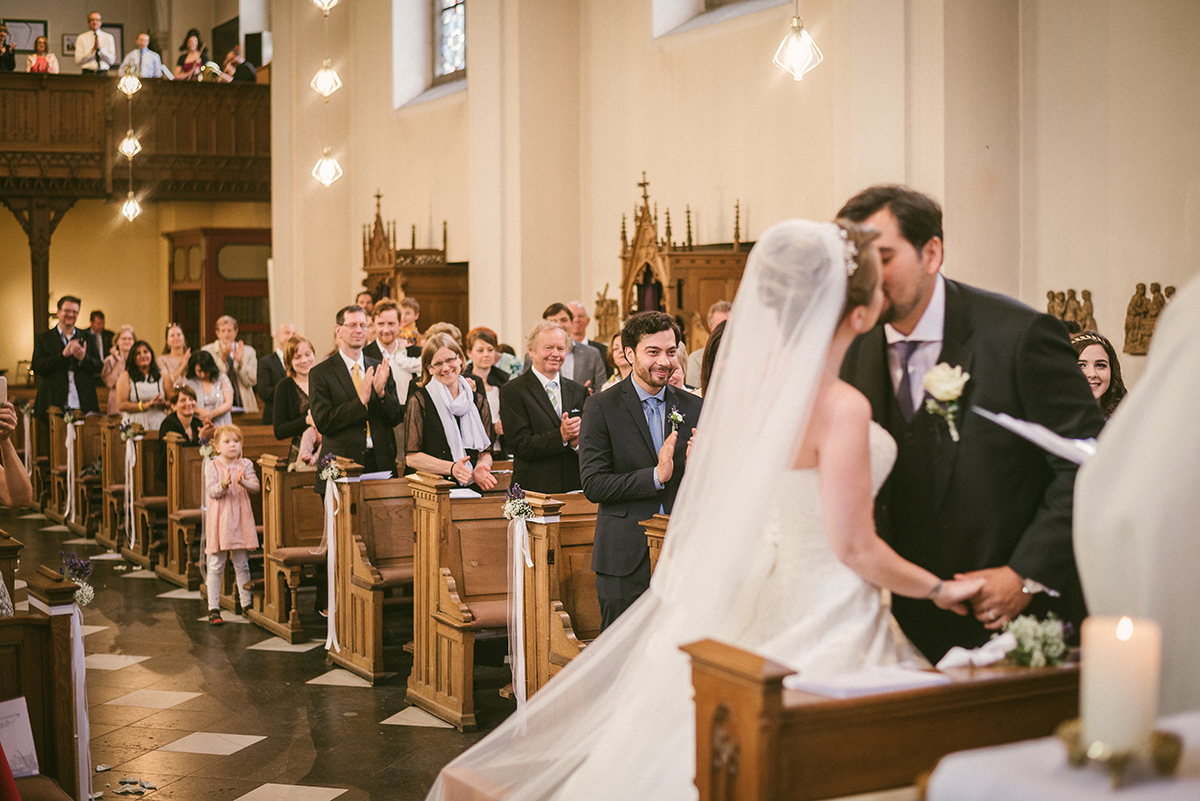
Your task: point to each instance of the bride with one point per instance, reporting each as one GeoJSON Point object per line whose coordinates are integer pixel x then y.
{"type": "Point", "coordinates": [772, 545]}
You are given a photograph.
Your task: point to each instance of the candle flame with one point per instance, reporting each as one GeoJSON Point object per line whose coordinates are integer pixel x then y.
{"type": "Point", "coordinates": [1124, 629]}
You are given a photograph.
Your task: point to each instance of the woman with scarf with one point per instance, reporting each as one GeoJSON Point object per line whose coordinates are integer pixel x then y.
{"type": "Point", "coordinates": [448, 427]}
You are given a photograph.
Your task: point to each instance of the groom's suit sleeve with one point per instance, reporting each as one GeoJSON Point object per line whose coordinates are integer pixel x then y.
{"type": "Point", "coordinates": [597, 464]}
{"type": "Point", "coordinates": [1053, 392]}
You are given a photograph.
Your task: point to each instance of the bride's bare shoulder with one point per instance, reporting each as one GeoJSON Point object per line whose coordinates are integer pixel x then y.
{"type": "Point", "coordinates": [842, 404]}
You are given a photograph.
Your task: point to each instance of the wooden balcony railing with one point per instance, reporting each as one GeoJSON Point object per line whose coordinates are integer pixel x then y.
{"type": "Point", "coordinates": [200, 141]}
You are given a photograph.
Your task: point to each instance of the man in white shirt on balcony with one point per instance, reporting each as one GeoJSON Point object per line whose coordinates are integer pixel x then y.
{"type": "Point", "coordinates": [95, 50]}
{"type": "Point", "coordinates": [143, 62]}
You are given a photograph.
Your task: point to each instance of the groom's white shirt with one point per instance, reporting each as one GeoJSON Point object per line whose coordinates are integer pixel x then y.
{"type": "Point", "coordinates": [929, 332]}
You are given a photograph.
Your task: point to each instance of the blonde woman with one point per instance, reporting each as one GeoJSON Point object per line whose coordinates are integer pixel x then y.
{"type": "Point", "coordinates": [114, 365]}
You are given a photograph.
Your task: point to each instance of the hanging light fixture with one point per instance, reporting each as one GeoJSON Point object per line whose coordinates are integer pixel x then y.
{"type": "Point", "coordinates": [798, 53]}
{"type": "Point", "coordinates": [130, 146]}
{"type": "Point", "coordinates": [129, 84]}
{"type": "Point", "coordinates": [326, 81]}
{"type": "Point", "coordinates": [130, 209]}
{"type": "Point", "coordinates": [325, 5]}
{"type": "Point", "coordinates": [327, 169]}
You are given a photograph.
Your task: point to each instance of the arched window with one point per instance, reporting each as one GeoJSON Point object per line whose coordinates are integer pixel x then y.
{"type": "Point", "coordinates": [449, 40]}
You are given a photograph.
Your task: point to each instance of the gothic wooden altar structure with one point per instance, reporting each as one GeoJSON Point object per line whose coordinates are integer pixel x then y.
{"type": "Point", "coordinates": [679, 278]}
{"type": "Point", "coordinates": [422, 273]}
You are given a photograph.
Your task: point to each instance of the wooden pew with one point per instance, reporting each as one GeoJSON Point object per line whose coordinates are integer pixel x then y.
{"type": "Point", "coordinates": [88, 488]}
{"type": "Point", "coordinates": [562, 613]}
{"type": "Point", "coordinates": [149, 501]}
{"type": "Point", "coordinates": [293, 521]}
{"type": "Point", "coordinates": [41, 463]}
{"type": "Point", "coordinates": [10, 549]}
{"type": "Point", "coordinates": [656, 533]}
{"type": "Point", "coordinates": [57, 465]}
{"type": "Point", "coordinates": [35, 663]}
{"type": "Point", "coordinates": [755, 739]}
{"type": "Point", "coordinates": [374, 527]}
{"type": "Point", "coordinates": [185, 488]}
{"type": "Point", "coordinates": [460, 590]}
{"type": "Point", "coordinates": [112, 483]}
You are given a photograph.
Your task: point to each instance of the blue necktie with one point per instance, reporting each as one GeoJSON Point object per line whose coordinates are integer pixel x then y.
{"type": "Point", "coordinates": [904, 391]}
{"type": "Point", "coordinates": [654, 420]}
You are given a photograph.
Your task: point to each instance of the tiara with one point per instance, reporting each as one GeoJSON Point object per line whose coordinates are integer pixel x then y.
{"type": "Point", "coordinates": [1087, 336]}
{"type": "Point", "coordinates": [851, 252]}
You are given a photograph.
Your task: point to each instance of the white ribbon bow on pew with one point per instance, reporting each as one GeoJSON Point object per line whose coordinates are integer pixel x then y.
{"type": "Point", "coordinates": [130, 461]}
{"type": "Point", "coordinates": [83, 736]}
{"type": "Point", "coordinates": [69, 510]}
{"type": "Point", "coordinates": [519, 560]}
{"type": "Point", "coordinates": [329, 545]}
{"type": "Point", "coordinates": [29, 443]}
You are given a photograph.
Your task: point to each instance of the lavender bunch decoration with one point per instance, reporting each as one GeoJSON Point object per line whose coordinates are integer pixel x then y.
{"type": "Point", "coordinates": [78, 570]}
{"type": "Point", "coordinates": [515, 505]}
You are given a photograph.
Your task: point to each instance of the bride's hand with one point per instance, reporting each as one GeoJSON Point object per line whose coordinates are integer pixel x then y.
{"type": "Point", "coordinates": [953, 594]}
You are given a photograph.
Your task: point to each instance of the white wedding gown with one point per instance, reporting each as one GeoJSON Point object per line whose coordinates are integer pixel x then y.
{"type": "Point", "coordinates": [838, 622]}
{"type": "Point", "coordinates": [746, 562]}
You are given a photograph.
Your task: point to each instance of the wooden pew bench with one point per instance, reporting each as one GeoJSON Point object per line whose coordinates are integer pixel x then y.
{"type": "Point", "coordinates": [56, 465]}
{"type": "Point", "coordinates": [149, 502]}
{"type": "Point", "coordinates": [88, 487]}
{"type": "Point", "coordinates": [374, 564]}
{"type": "Point", "coordinates": [112, 483]}
{"type": "Point", "coordinates": [35, 663]}
{"type": "Point", "coordinates": [755, 739]}
{"type": "Point", "coordinates": [562, 613]}
{"type": "Point", "coordinates": [293, 521]}
{"type": "Point", "coordinates": [460, 593]}
{"type": "Point", "coordinates": [185, 489]}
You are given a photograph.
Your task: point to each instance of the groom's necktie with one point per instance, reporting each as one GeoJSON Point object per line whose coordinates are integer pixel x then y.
{"type": "Point", "coordinates": [904, 391]}
{"type": "Point", "coordinates": [655, 421]}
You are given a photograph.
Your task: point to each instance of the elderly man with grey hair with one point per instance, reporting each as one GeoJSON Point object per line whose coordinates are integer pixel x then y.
{"type": "Point", "coordinates": [580, 321]}
{"type": "Point", "coordinates": [237, 360]}
{"type": "Point", "coordinates": [717, 314]}
{"type": "Point", "coordinates": [541, 411]}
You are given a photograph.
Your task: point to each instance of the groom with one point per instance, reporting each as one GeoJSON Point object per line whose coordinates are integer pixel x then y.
{"type": "Point", "coordinates": [990, 505]}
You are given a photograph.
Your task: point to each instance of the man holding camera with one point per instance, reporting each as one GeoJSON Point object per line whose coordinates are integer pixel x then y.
{"type": "Point", "coordinates": [541, 409]}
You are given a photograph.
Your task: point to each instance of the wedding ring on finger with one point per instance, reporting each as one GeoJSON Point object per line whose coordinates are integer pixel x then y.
{"type": "Point", "coordinates": [992, 615]}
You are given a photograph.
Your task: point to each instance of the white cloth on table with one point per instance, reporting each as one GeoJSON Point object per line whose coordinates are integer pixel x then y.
{"type": "Point", "coordinates": [1136, 503]}
{"type": "Point", "coordinates": [1036, 770]}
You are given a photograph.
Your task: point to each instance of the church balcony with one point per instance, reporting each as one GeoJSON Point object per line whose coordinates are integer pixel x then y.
{"type": "Point", "coordinates": [200, 141]}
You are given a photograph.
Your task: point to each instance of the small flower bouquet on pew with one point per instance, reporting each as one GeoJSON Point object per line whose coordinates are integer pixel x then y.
{"type": "Point", "coordinates": [515, 505]}
{"type": "Point", "coordinates": [126, 431]}
{"type": "Point", "coordinates": [1040, 643]}
{"type": "Point", "coordinates": [327, 468]}
{"type": "Point", "coordinates": [207, 450]}
{"type": "Point", "coordinates": [78, 570]}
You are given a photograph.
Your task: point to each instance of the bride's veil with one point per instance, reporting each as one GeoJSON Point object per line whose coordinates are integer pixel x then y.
{"type": "Point", "coordinates": [619, 721]}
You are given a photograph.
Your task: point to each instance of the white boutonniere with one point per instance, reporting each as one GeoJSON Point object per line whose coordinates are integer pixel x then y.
{"type": "Point", "coordinates": [675, 418]}
{"type": "Point", "coordinates": [945, 384]}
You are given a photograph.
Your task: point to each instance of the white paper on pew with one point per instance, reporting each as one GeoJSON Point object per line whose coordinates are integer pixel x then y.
{"type": "Point", "coordinates": [1074, 450]}
{"type": "Point", "coordinates": [500, 472]}
{"type": "Point", "coordinates": [16, 736]}
{"type": "Point", "coordinates": [463, 492]}
{"type": "Point", "coordinates": [376, 476]}
{"type": "Point", "coordinates": [872, 681]}
{"type": "Point", "coordinates": [574, 492]}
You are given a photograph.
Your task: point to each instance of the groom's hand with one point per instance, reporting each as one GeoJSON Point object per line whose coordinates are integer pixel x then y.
{"type": "Point", "coordinates": [666, 458]}
{"type": "Point", "coordinates": [1001, 598]}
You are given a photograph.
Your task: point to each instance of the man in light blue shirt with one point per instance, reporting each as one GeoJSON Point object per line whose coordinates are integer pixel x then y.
{"type": "Point", "coordinates": [144, 62]}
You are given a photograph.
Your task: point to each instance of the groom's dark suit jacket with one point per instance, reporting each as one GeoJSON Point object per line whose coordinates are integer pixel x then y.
{"type": "Point", "coordinates": [531, 428]}
{"type": "Point", "coordinates": [991, 499]}
{"type": "Point", "coordinates": [617, 461]}
{"type": "Point", "coordinates": [342, 419]}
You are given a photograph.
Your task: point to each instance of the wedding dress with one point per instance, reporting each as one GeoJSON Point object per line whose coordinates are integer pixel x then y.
{"type": "Point", "coordinates": [619, 721]}
{"type": "Point", "coordinates": [841, 621]}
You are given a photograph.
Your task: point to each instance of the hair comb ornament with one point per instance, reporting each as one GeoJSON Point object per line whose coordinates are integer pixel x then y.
{"type": "Point", "coordinates": [850, 254]}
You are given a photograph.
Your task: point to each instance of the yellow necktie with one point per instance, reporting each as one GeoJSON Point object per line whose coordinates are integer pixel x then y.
{"type": "Point", "coordinates": [356, 377]}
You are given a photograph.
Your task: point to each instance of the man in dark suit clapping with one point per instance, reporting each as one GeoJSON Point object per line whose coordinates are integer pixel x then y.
{"type": "Point", "coordinates": [632, 455]}
{"type": "Point", "coordinates": [271, 371]}
{"type": "Point", "coordinates": [353, 400]}
{"type": "Point", "coordinates": [66, 361]}
{"type": "Point", "coordinates": [540, 409]}
{"type": "Point", "coordinates": [985, 503]}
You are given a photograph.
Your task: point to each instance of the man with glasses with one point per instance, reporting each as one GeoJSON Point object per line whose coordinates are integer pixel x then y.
{"type": "Point", "coordinates": [353, 400]}
{"type": "Point", "coordinates": [95, 50]}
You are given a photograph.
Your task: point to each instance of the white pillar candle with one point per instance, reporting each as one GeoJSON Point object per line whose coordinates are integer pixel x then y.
{"type": "Point", "coordinates": [1118, 683]}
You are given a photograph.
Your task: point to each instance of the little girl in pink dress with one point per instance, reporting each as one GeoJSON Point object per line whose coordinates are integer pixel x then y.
{"type": "Point", "coordinates": [229, 521]}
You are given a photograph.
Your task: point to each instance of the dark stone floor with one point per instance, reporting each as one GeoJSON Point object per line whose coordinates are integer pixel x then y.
{"type": "Point", "coordinates": [313, 735]}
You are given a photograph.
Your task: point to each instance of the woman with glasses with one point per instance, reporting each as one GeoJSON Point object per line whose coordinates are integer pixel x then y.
{"type": "Point", "coordinates": [448, 426]}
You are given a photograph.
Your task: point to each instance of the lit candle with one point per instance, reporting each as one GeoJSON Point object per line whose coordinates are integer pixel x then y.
{"type": "Point", "coordinates": [1118, 683]}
